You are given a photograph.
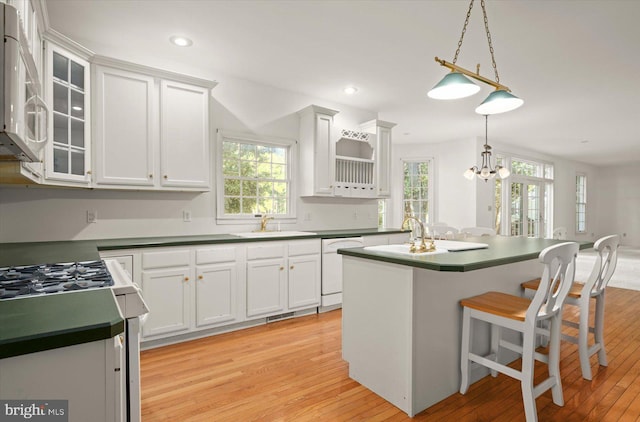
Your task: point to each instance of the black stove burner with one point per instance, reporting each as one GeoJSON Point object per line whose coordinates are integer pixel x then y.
{"type": "Point", "coordinates": [52, 278]}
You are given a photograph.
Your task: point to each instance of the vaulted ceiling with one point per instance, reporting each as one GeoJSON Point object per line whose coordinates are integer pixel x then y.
{"type": "Point", "coordinates": [575, 63]}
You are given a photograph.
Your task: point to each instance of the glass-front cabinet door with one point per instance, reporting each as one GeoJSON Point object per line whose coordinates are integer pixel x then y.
{"type": "Point", "coordinates": [67, 87]}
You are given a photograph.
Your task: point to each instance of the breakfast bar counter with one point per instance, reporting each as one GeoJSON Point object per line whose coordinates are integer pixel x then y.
{"type": "Point", "coordinates": [401, 317]}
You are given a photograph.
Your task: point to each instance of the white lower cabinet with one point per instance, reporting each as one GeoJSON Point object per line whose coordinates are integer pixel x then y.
{"type": "Point", "coordinates": [282, 277]}
{"type": "Point", "coordinates": [167, 293]}
{"type": "Point", "coordinates": [266, 287]}
{"type": "Point", "coordinates": [217, 286]}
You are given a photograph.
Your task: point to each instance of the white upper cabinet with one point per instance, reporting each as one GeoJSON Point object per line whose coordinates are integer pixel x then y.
{"type": "Point", "coordinates": [184, 135]}
{"type": "Point", "coordinates": [382, 130]}
{"type": "Point", "coordinates": [151, 128]}
{"type": "Point", "coordinates": [317, 151]}
{"type": "Point", "coordinates": [68, 154]}
{"type": "Point", "coordinates": [342, 162]}
{"type": "Point", "coordinates": [124, 135]}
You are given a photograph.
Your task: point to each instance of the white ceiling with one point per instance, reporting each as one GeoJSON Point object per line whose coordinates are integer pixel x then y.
{"type": "Point", "coordinates": [575, 63]}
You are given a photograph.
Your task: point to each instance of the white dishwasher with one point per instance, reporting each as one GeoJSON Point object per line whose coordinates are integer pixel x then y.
{"type": "Point", "coordinates": [332, 269]}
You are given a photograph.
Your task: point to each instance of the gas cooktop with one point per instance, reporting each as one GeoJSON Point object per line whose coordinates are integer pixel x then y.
{"type": "Point", "coordinates": [31, 280]}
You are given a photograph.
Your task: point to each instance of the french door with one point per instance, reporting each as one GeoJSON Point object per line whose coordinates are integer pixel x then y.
{"type": "Point", "coordinates": [527, 208]}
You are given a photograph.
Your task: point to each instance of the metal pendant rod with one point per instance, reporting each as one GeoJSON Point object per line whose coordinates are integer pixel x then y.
{"type": "Point", "coordinates": [471, 74]}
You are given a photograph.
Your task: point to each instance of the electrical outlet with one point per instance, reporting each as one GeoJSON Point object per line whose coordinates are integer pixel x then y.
{"type": "Point", "coordinates": [186, 216]}
{"type": "Point", "coordinates": [307, 216]}
{"type": "Point", "coordinates": [92, 216]}
{"type": "Point", "coordinates": [355, 215]}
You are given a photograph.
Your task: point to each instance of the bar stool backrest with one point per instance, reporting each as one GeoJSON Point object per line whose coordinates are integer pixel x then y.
{"type": "Point", "coordinates": [605, 265]}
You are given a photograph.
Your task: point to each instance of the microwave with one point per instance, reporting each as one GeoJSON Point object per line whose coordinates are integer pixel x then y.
{"type": "Point", "coordinates": [23, 113]}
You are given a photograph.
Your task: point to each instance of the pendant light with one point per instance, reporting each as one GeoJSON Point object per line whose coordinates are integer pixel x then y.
{"type": "Point", "coordinates": [486, 170]}
{"type": "Point", "coordinates": [456, 84]}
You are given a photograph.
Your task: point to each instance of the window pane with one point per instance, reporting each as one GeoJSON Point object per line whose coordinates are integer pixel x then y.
{"type": "Point", "coordinates": [77, 75]}
{"type": "Point", "coordinates": [77, 104]}
{"type": "Point", "coordinates": [248, 168]}
{"type": "Point", "coordinates": [249, 206]}
{"type": "Point", "coordinates": [60, 67]}
{"type": "Point", "coordinates": [265, 188]}
{"type": "Point", "coordinates": [264, 170]}
{"type": "Point", "coordinates": [230, 168]}
{"type": "Point", "coordinates": [232, 205]}
{"type": "Point", "coordinates": [77, 133]}
{"type": "Point", "coordinates": [266, 206]}
{"type": "Point", "coordinates": [249, 188]}
{"type": "Point", "coordinates": [232, 187]}
{"type": "Point", "coordinates": [247, 152]}
{"type": "Point", "coordinates": [279, 171]}
{"type": "Point", "coordinates": [279, 155]}
{"type": "Point", "coordinates": [263, 154]}
{"type": "Point", "coordinates": [60, 160]}
{"type": "Point", "coordinates": [230, 150]}
{"type": "Point", "coordinates": [60, 98]}
{"type": "Point", "coordinates": [60, 129]}
{"type": "Point", "coordinates": [77, 163]}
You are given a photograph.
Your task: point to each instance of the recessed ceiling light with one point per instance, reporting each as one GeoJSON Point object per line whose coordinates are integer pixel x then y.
{"type": "Point", "coordinates": [180, 41]}
{"type": "Point", "coordinates": [586, 141]}
{"type": "Point", "coordinates": [350, 90]}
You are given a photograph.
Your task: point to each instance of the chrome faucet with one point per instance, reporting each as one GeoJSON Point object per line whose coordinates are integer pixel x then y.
{"type": "Point", "coordinates": [263, 222]}
{"type": "Point", "coordinates": [423, 244]}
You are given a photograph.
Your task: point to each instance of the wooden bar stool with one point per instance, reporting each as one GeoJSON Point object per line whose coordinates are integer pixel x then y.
{"type": "Point", "coordinates": [581, 294]}
{"type": "Point", "coordinates": [520, 314]}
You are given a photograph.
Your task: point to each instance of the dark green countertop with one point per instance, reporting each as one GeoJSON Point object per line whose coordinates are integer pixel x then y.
{"type": "Point", "coordinates": [502, 250]}
{"type": "Point", "coordinates": [146, 242]}
{"type": "Point", "coordinates": [55, 320]}
{"type": "Point", "coordinates": [30, 253]}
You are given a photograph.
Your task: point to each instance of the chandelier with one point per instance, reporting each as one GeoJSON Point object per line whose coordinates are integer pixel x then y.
{"type": "Point", "coordinates": [456, 85]}
{"type": "Point", "coordinates": [486, 170]}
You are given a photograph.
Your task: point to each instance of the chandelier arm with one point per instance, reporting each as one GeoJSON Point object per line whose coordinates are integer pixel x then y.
{"type": "Point", "coordinates": [464, 30]}
{"type": "Point", "coordinates": [486, 27]}
{"type": "Point", "coordinates": [471, 74]}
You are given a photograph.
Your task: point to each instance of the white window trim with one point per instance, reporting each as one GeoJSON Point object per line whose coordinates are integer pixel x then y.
{"type": "Point", "coordinates": [292, 146]}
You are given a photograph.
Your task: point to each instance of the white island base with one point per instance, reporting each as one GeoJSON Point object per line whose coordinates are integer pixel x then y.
{"type": "Point", "coordinates": [401, 326]}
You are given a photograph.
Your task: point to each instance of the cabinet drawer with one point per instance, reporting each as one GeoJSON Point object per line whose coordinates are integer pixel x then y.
{"type": "Point", "coordinates": [165, 259]}
{"type": "Point", "coordinates": [304, 247]}
{"type": "Point", "coordinates": [266, 250]}
{"type": "Point", "coordinates": [216, 255]}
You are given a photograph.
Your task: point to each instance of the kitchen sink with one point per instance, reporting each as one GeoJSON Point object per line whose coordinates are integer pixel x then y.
{"type": "Point", "coordinates": [402, 249]}
{"type": "Point", "coordinates": [272, 234]}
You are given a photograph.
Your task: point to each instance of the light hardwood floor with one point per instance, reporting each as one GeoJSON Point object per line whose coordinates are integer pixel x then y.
{"type": "Point", "coordinates": [292, 371]}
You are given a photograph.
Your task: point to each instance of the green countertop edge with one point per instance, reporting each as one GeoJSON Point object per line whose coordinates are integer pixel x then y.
{"type": "Point", "coordinates": [107, 327]}
{"type": "Point", "coordinates": [430, 262]}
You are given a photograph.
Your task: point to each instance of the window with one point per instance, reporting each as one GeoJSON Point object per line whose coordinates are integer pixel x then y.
{"type": "Point", "coordinates": [254, 177]}
{"type": "Point", "coordinates": [417, 189]}
{"type": "Point", "coordinates": [581, 203]}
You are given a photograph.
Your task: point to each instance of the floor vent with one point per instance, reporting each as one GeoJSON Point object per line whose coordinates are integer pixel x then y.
{"type": "Point", "coordinates": [279, 317]}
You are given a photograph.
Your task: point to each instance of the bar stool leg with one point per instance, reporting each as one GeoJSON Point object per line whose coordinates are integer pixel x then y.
{"type": "Point", "coordinates": [527, 378]}
{"type": "Point", "coordinates": [464, 351]}
{"type": "Point", "coordinates": [599, 328]}
{"type": "Point", "coordinates": [555, 326]}
{"type": "Point", "coordinates": [496, 335]}
{"type": "Point", "coordinates": [583, 338]}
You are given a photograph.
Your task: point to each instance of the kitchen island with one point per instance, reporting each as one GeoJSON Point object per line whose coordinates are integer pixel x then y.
{"type": "Point", "coordinates": [401, 317]}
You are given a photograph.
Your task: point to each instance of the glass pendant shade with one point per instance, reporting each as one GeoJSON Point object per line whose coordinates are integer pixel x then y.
{"type": "Point", "coordinates": [469, 174]}
{"type": "Point", "coordinates": [499, 101]}
{"type": "Point", "coordinates": [453, 86]}
{"type": "Point", "coordinates": [504, 172]}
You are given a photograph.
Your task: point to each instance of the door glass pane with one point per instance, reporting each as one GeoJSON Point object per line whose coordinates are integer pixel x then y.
{"type": "Point", "coordinates": [77, 75]}
{"type": "Point", "coordinates": [77, 162]}
{"type": "Point", "coordinates": [60, 98]}
{"type": "Point", "coordinates": [77, 133]}
{"type": "Point", "coordinates": [60, 161]}
{"type": "Point", "coordinates": [516, 209]}
{"type": "Point", "coordinates": [60, 129]}
{"type": "Point", "coordinates": [60, 67]}
{"type": "Point", "coordinates": [77, 104]}
{"type": "Point", "coordinates": [533, 210]}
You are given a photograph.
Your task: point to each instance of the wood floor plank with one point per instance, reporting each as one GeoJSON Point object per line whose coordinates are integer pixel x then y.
{"type": "Point", "coordinates": [292, 370]}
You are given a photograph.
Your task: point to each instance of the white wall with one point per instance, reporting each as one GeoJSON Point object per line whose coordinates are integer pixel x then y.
{"type": "Point", "coordinates": [618, 202]}
{"type": "Point", "coordinates": [43, 214]}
